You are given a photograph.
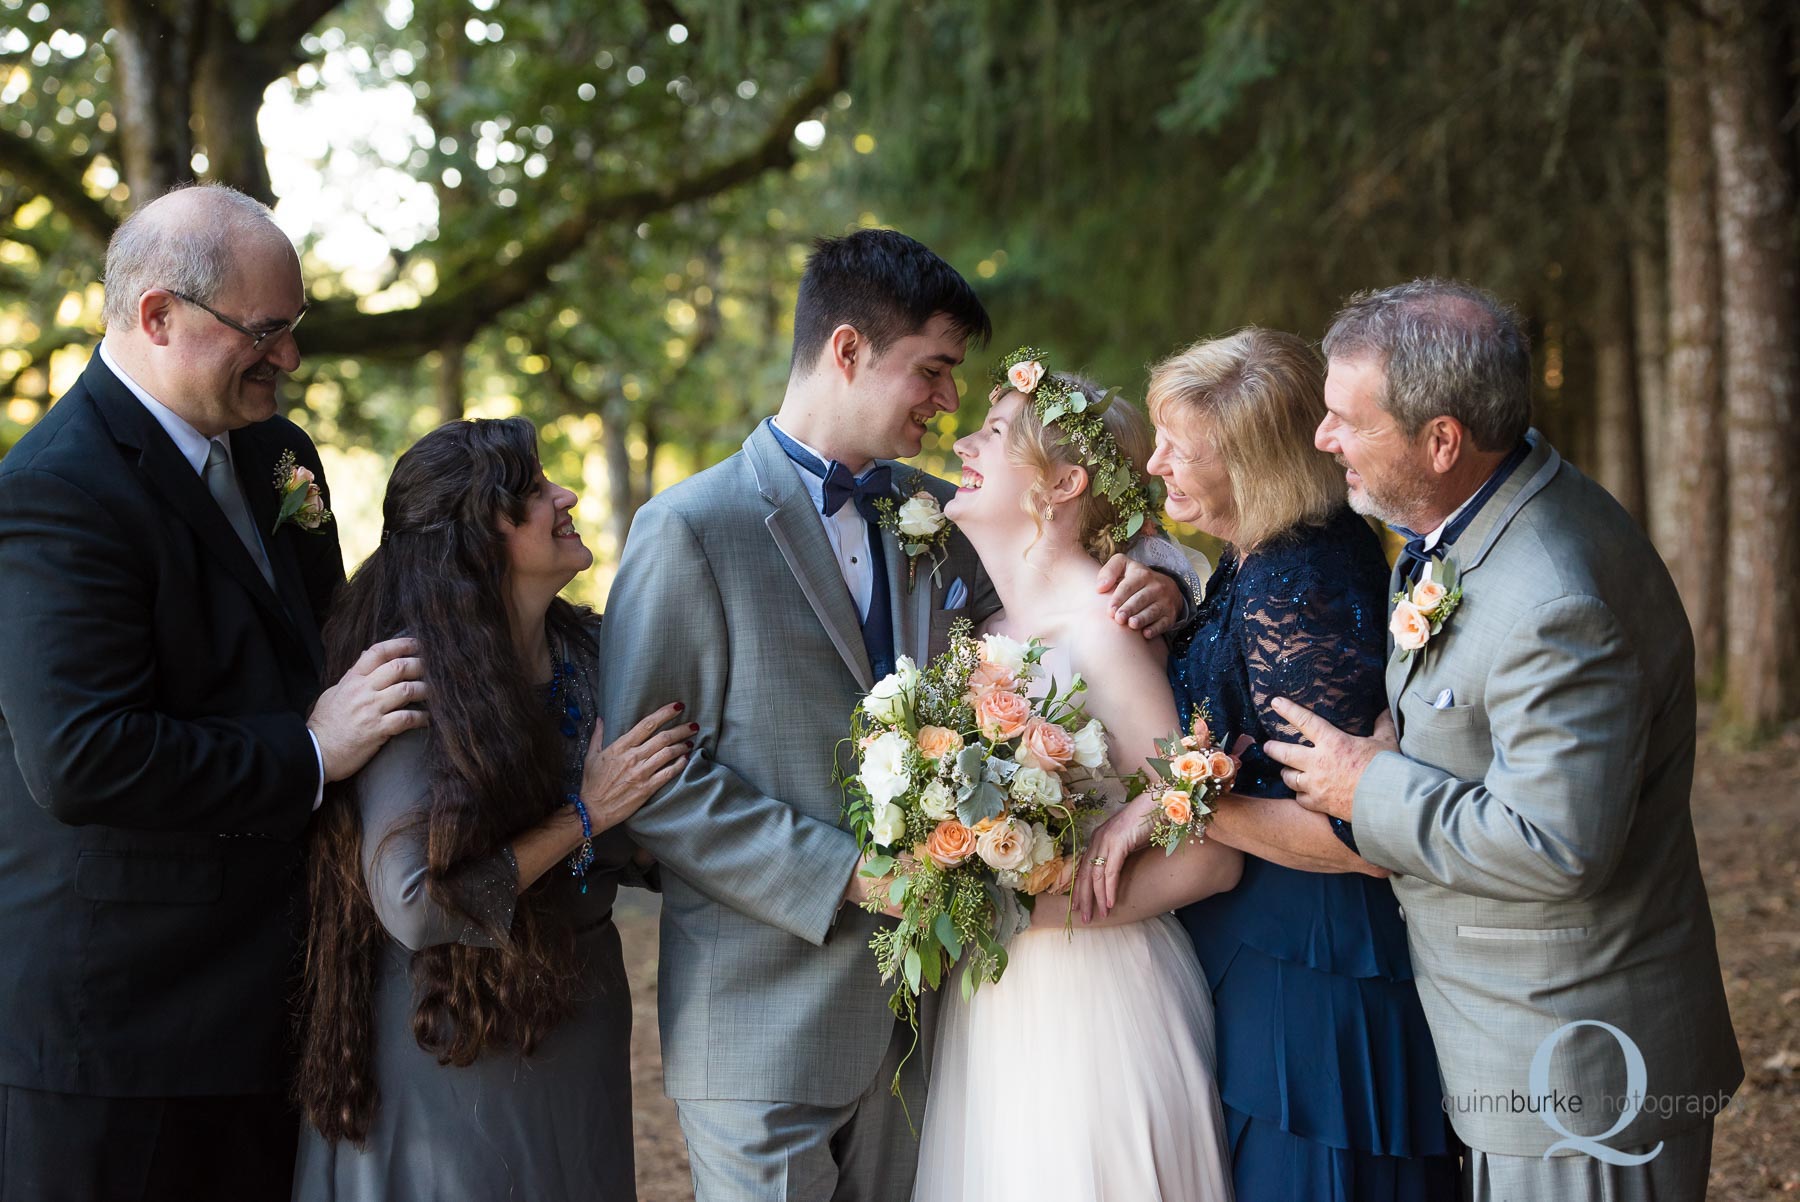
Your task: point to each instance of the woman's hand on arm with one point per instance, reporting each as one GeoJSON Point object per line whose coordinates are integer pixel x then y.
{"type": "Point", "coordinates": [616, 779]}
{"type": "Point", "coordinates": [1103, 859]}
{"type": "Point", "coordinates": [1154, 883]}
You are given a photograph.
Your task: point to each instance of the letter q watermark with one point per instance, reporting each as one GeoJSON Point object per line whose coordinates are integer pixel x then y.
{"type": "Point", "coordinates": [1636, 1077]}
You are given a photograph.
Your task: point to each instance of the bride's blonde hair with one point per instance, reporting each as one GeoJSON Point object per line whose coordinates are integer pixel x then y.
{"type": "Point", "coordinates": [1031, 444]}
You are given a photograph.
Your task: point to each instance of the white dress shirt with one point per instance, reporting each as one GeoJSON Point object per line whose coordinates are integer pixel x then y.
{"type": "Point", "coordinates": [846, 530]}
{"type": "Point", "coordinates": [194, 447]}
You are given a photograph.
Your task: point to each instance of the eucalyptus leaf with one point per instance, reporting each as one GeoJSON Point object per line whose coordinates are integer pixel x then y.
{"type": "Point", "coordinates": [945, 930]}
{"type": "Point", "coordinates": [879, 866]}
{"type": "Point", "coordinates": [913, 968]}
{"type": "Point", "coordinates": [898, 890]}
{"type": "Point", "coordinates": [1135, 524]}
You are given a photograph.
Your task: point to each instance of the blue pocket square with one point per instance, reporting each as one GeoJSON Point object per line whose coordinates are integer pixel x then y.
{"type": "Point", "coordinates": [958, 595]}
{"type": "Point", "coordinates": [1444, 701]}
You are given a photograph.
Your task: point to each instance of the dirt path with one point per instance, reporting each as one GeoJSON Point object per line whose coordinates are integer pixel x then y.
{"type": "Point", "coordinates": [1747, 811]}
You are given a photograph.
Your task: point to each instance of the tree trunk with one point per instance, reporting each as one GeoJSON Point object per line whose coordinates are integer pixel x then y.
{"type": "Point", "coordinates": [1650, 342]}
{"type": "Point", "coordinates": [450, 391]}
{"type": "Point", "coordinates": [229, 81]}
{"type": "Point", "coordinates": [1618, 434]}
{"type": "Point", "coordinates": [615, 433]}
{"type": "Point", "coordinates": [1762, 361]}
{"type": "Point", "coordinates": [153, 48]}
{"type": "Point", "coordinates": [1695, 459]}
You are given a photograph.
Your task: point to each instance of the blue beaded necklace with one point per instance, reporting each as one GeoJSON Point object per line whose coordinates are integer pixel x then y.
{"type": "Point", "coordinates": [566, 702]}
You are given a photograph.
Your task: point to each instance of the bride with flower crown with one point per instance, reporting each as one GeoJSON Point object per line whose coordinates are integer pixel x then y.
{"type": "Point", "coordinates": [1087, 1071]}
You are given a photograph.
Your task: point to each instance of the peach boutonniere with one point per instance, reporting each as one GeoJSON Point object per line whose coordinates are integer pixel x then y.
{"type": "Point", "coordinates": [1420, 613]}
{"type": "Point", "coordinates": [301, 502]}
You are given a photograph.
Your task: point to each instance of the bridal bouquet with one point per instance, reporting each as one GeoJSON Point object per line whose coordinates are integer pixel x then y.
{"type": "Point", "coordinates": [969, 802]}
{"type": "Point", "coordinates": [1194, 772]}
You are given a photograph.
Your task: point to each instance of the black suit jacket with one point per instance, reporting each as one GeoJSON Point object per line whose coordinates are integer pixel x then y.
{"type": "Point", "coordinates": [156, 775]}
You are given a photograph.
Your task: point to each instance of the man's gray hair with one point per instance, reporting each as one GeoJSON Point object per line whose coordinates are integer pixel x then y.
{"type": "Point", "coordinates": [1448, 349]}
{"type": "Point", "coordinates": [154, 249]}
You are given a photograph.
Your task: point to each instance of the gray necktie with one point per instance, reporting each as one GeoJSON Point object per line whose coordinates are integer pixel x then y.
{"type": "Point", "coordinates": [222, 482]}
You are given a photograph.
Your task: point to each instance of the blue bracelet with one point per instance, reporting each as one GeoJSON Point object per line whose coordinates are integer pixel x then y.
{"type": "Point", "coordinates": [582, 858]}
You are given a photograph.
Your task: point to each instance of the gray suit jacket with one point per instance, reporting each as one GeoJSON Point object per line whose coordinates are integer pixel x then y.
{"type": "Point", "coordinates": [728, 598]}
{"type": "Point", "coordinates": [1541, 822]}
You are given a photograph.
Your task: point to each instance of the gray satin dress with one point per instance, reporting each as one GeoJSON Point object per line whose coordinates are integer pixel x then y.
{"type": "Point", "coordinates": [552, 1126]}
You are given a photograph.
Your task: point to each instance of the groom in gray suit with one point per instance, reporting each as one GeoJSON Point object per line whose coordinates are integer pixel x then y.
{"type": "Point", "coordinates": [764, 593]}
{"type": "Point", "coordinates": [1534, 809]}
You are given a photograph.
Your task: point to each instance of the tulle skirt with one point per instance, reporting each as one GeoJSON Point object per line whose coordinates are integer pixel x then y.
{"type": "Point", "coordinates": [1085, 1075]}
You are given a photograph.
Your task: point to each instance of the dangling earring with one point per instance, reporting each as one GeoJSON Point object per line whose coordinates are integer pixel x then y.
{"type": "Point", "coordinates": [1049, 513]}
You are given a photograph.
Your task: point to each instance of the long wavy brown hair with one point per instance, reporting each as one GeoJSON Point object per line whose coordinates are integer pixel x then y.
{"type": "Point", "coordinates": [493, 764]}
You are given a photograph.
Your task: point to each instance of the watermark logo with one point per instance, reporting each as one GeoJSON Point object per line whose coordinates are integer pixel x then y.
{"type": "Point", "coordinates": [1637, 1076]}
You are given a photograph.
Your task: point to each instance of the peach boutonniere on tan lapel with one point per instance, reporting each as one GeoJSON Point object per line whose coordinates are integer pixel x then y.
{"type": "Point", "coordinates": [302, 504]}
{"type": "Point", "coordinates": [1420, 613]}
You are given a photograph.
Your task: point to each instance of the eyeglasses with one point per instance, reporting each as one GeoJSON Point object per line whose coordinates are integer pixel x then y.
{"type": "Point", "coordinates": [256, 337]}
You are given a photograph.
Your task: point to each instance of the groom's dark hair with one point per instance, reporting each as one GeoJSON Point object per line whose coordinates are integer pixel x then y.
{"type": "Point", "coordinates": [884, 284]}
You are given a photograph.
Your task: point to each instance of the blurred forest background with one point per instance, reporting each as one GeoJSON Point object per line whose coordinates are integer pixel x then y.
{"type": "Point", "coordinates": [596, 214]}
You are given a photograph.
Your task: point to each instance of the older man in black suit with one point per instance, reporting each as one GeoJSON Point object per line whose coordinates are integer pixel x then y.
{"type": "Point", "coordinates": [163, 740]}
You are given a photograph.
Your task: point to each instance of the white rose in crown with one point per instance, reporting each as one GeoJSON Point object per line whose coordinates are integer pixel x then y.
{"type": "Point", "coordinates": [1024, 376]}
{"type": "Point", "coordinates": [889, 827]}
{"type": "Point", "coordinates": [937, 801]}
{"type": "Point", "coordinates": [921, 517]}
{"type": "Point", "coordinates": [884, 772]}
{"type": "Point", "coordinates": [1090, 745]}
{"type": "Point", "coordinates": [1004, 653]}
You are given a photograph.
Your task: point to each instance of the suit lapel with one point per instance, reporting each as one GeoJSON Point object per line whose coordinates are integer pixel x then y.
{"type": "Point", "coordinates": [911, 603]}
{"type": "Point", "coordinates": [256, 476]}
{"type": "Point", "coordinates": [179, 484]}
{"type": "Point", "coordinates": [799, 534]}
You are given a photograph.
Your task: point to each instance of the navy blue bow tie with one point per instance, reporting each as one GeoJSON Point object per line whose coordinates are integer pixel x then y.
{"type": "Point", "coordinates": [840, 486]}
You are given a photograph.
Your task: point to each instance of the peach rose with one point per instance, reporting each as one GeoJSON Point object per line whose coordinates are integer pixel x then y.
{"type": "Point", "coordinates": [1053, 875]}
{"type": "Point", "coordinates": [1006, 846]}
{"type": "Point", "coordinates": [1178, 806]}
{"type": "Point", "coordinates": [1025, 376]}
{"type": "Point", "coordinates": [1409, 626]}
{"type": "Point", "coordinates": [1428, 594]}
{"type": "Point", "coordinates": [1002, 715]}
{"type": "Point", "coordinates": [950, 843]}
{"type": "Point", "coordinates": [1189, 765]}
{"type": "Point", "coordinates": [936, 742]}
{"type": "Point", "coordinates": [1221, 767]}
{"type": "Point", "coordinates": [987, 678]}
{"type": "Point", "coordinates": [1046, 746]}
{"type": "Point", "coordinates": [1201, 734]}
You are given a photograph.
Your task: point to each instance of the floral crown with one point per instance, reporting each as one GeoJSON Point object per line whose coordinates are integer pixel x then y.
{"type": "Point", "coordinates": [1061, 402]}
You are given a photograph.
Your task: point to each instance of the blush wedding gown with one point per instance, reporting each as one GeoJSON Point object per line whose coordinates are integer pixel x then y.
{"type": "Point", "coordinates": [1085, 1074]}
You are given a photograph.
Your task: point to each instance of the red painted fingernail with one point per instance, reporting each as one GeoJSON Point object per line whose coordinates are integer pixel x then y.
{"type": "Point", "coordinates": [694, 726]}
{"type": "Point", "coordinates": [679, 707]}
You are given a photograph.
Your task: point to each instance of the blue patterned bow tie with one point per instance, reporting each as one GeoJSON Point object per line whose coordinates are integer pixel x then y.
{"type": "Point", "coordinates": [1415, 556]}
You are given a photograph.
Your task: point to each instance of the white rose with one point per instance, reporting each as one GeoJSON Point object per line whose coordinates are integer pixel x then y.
{"type": "Point", "coordinates": [1004, 653]}
{"type": "Point", "coordinates": [937, 801]}
{"type": "Point", "coordinates": [1010, 880]}
{"type": "Point", "coordinates": [1043, 848]}
{"type": "Point", "coordinates": [1090, 745]}
{"type": "Point", "coordinates": [890, 824]}
{"type": "Point", "coordinates": [920, 517]}
{"type": "Point", "coordinates": [886, 702]}
{"type": "Point", "coordinates": [1035, 787]}
{"type": "Point", "coordinates": [884, 772]}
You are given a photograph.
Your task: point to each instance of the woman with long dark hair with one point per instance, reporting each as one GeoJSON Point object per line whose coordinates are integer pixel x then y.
{"type": "Point", "coordinates": [466, 1019]}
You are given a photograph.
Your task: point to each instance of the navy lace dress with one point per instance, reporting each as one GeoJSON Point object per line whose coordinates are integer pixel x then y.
{"type": "Point", "coordinates": [1326, 1066]}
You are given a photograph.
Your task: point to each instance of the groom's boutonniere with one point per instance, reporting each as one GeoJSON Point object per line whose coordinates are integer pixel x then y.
{"type": "Point", "coordinates": [301, 502]}
{"type": "Point", "coordinates": [920, 525]}
{"type": "Point", "coordinates": [1421, 613]}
